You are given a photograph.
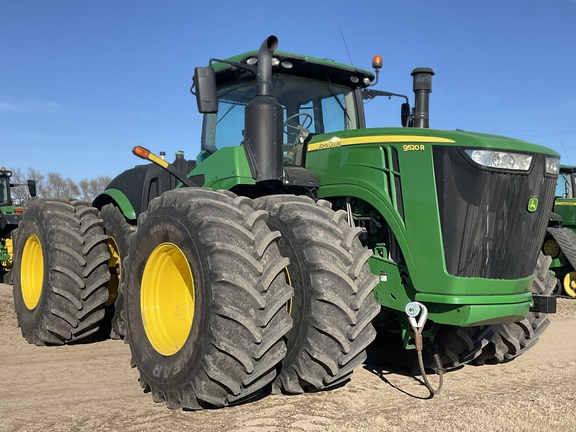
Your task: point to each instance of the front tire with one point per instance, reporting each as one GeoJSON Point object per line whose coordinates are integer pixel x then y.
{"type": "Point", "coordinates": [60, 272]}
{"type": "Point", "coordinates": [205, 299]}
{"type": "Point", "coordinates": [333, 303]}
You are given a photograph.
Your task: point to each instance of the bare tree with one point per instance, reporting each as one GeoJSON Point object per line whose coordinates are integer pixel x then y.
{"type": "Point", "coordinates": [53, 185]}
{"type": "Point", "coordinates": [89, 189]}
{"type": "Point", "coordinates": [60, 187]}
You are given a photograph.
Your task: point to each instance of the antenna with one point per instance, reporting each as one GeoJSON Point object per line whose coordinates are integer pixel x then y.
{"type": "Point", "coordinates": [565, 152]}
{"type": "Point", "coordinates": [346, 45]}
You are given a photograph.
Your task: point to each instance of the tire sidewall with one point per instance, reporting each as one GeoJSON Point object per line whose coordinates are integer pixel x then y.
{"type": "Point", "coordinates": [32, 224]}
{"type": "Point", "coordinates": [166, 225]}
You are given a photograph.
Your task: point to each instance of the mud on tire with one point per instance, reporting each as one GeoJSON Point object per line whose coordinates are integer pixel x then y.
{"type": "Point", "coordinates": [60, 272]}
{"type": "Point", "coordinates": [333, 303]}
{"type": "Point", "coordinates": [205, 299]}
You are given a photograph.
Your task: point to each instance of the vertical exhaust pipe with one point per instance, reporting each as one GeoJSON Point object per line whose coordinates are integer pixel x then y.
{"type": "Point", "coordinates": [263, 119]}
{"type": "Point", "coordinates": [422, 88]}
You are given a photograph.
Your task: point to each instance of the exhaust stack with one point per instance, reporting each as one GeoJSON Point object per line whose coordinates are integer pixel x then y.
{"type": "Point", "coordinates": [263, 121]}
{"type": "Point", "coordinates": [422, 88]}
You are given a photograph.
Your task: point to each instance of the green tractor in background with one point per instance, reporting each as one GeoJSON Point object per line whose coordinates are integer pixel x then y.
{"type": "Point", "coordinates": [265, 264]}
{"type": "Point", "coordinates": [560, 240]}
{"type": "Point", "coordinates": [10, 216]}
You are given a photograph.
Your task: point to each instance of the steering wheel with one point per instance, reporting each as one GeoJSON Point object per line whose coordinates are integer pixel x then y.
{"type": "Point", "coordinates": [307, 119]}
{"type": "Point", "coordinates": [292, 152]}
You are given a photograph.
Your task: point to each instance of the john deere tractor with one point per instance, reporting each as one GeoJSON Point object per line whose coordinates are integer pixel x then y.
{"type": "Point", "coordinates": [10, 216]}
{"type": "Point", "coordinates": [560, 240]}
{"type": "Point", "coordinates": [262, 265]}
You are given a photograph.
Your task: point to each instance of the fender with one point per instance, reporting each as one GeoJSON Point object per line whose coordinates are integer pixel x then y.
{"type": "Point", "coordinates": [117, 197]}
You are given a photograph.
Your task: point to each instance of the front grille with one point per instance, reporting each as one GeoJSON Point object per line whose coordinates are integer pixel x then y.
{"type": "Point", "coordinates": [487, 229]}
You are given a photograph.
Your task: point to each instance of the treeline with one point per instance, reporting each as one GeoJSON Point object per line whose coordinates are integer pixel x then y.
{"type": "Point", "coordinates": [53, 185]}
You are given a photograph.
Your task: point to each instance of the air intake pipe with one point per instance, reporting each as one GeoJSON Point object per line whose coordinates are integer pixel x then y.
{"type": "Point", "coordinates": [422, 88]}
{"type": "Point", "coordinates": [263, 118]}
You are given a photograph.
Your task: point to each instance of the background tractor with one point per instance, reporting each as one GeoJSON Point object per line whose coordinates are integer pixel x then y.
{"type": "Point", "coordinates": [10, 216]}
{"type": "Point", "coordinates": [560, 240]}
{"type": "Point", "coordinates": [263, 264]}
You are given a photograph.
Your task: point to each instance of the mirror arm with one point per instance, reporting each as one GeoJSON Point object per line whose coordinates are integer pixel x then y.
{"type": "Point", "coordinates": [371, 94]}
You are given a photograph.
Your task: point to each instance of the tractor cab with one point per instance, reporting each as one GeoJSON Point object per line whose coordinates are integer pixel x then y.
{"type": "Point", "coordinates": [309, 107]}
{"type": "Point", "coordinates": [565, 202]}
{"type": "Point", "coordinates": [315, 97]}
{"type": "Point", "coordinates": [10, 217]}
{"type": "Point", "coordinates": [11, 213]}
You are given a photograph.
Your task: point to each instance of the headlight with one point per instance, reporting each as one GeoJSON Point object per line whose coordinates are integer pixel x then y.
{"type": "Point", "coordinates": [552, 165]}
{"type": "Point", "coordinates": [501, 159]}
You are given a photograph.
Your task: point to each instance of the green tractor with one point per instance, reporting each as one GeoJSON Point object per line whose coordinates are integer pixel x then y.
{"type": "Point", "coordinates": [10, 216]}
{"type": "Point", "coordinates": [560, 240]}
{"type": "Point", "coordinates": [265, 264]}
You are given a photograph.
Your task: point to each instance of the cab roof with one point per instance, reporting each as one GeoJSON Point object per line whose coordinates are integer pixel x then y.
{"type": "Point", "coordinates": [298, 65]}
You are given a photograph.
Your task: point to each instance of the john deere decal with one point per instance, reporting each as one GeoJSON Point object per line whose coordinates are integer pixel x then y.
{"type": "Point", "coordinates": [532, 204]}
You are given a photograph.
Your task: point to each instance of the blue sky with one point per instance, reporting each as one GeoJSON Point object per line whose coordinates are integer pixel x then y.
{"type": "Point", "coordinates": [82, 82]}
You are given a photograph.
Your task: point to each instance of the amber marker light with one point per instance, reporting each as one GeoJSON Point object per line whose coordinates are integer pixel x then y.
{"type": "Point", "coordinates": [143, 153]}
{"type": "Point", "coordinates": [377, 62]}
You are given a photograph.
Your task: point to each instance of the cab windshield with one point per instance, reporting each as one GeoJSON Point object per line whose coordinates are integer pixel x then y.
{"type": "Point", "coordinates": [310, 107]}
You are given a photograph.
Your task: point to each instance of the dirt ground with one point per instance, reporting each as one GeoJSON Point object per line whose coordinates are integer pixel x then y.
{"type": "Point", "coordinates": [91, 387]}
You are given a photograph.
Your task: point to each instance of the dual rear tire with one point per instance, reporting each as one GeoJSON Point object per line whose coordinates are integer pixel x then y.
{"type": "Point", "coordinates": [60, 272]}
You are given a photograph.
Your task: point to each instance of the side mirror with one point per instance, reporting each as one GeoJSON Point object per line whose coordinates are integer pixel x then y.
{"type": "Point", "coordinates": [205, 83]}
{"type": "Point", "coordinates": [405, 114]}
{"type": "Point", "coordinates": [32, 188]}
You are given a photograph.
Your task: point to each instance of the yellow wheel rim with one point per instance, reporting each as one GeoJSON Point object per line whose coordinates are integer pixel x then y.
{"type": "Point", "coordinates": [167, 299]}
{"type": "Point", "coordinates": [32, 272]}
{"type": "Point", "coordinates": [570, 284]}
{"type": "Point", "coordinates": [114, 266]}
{"type": "Point", "coordinates": [551, 248]}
